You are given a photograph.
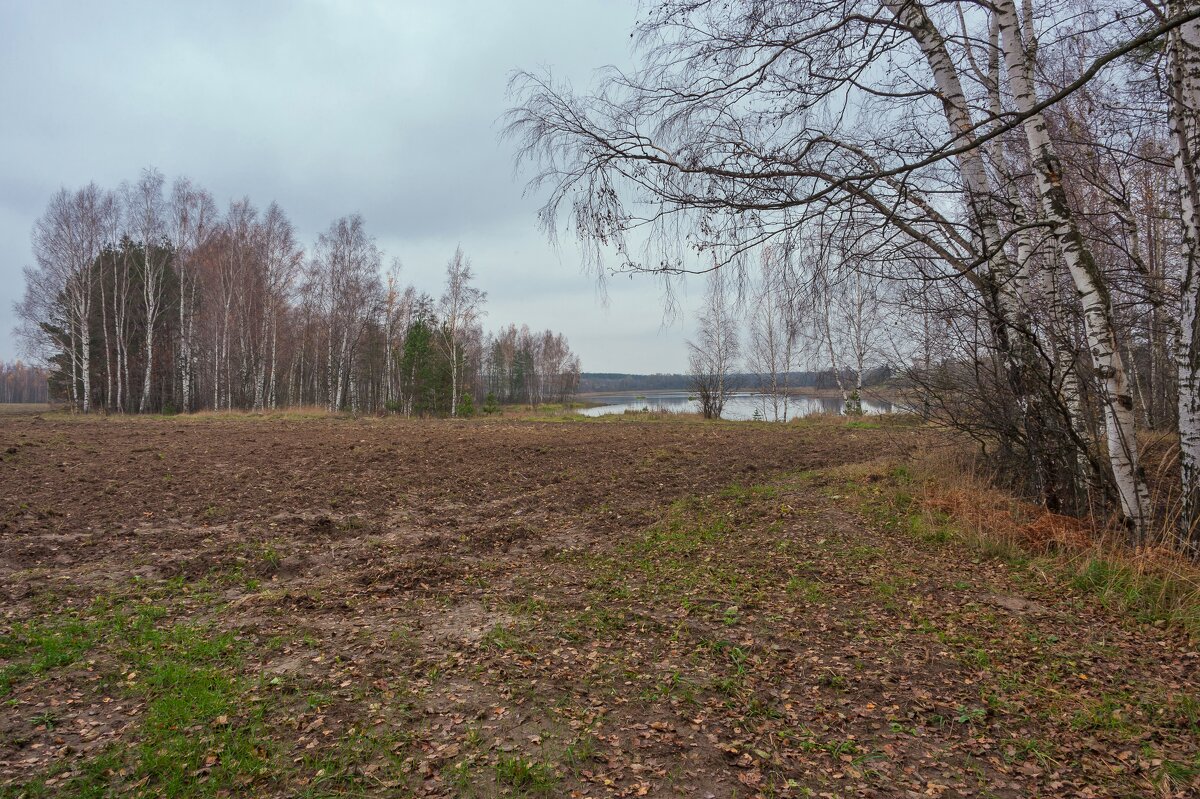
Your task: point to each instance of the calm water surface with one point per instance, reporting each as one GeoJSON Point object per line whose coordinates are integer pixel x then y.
{"type": "Point", "coordinates": [740, 406]}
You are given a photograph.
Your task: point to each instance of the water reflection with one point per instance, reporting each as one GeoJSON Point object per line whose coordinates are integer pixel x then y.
{"type": "Point", "coordinates": [740, 406]}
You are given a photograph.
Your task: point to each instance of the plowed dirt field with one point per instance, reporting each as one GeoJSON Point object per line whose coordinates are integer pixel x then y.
{"type": "Point", "coordinates": [281, 606]}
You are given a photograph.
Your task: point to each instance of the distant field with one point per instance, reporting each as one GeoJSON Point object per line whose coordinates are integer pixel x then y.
{"type": "Point", "coordinates": [318, 607]}
{"type": "Point", "coordinates": [23, 407]}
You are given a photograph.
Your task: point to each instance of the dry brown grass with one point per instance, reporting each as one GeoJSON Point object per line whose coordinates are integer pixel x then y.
{"type": "Point", "coordinates": [65, 413]}
{"type": "Point", "coordinates": [944, 487]}
{"type": "Point", "coordinates": [24, 407]}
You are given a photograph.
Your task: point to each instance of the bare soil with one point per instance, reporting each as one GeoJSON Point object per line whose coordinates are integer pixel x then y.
{"type": "Point", "coordinates": [485, 608]}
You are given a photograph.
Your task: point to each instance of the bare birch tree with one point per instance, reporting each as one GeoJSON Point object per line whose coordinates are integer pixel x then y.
{"type": "Point", "coordinates": [776, 321]}
{"type": "Point", "coordinates": [192, 224]}
{"type": "Point", "coordinates": [68, 241]}
{"type": "Point", "coordinates": [145, 213]}
{"type": "Point", "coordinates": [460, 307]}
{"type": "Point", "coordinates": [282, 260]}
{"type": "Point", "coordinates": [714, 351]}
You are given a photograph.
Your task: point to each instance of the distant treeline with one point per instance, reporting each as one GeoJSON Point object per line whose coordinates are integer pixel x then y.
{"type": "Point", "coordinates": [20, 382]}
{"type": "Point", "coordinates": [614, 381]}
{"type": "Point", "coordinates": [147, 299]}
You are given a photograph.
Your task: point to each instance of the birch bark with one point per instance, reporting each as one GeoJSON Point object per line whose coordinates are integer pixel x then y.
{"type": "Point", "coordinates": [1000, 286]}
{"type": "Point", "coordinates": [1183, 56]}
{"type": "Point", "coordinates": [1089, 282]}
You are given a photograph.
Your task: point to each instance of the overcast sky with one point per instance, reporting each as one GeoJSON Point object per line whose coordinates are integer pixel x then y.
{"type": "Point", "coordinates": [388, 109]}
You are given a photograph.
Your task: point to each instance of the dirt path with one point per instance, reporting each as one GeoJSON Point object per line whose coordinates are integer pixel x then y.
{"type": "Point", "coordinates": [230, 607]}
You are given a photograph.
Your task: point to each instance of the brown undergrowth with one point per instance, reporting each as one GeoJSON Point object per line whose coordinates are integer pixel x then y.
{"type": "Point", "coordinates": [943, 490]}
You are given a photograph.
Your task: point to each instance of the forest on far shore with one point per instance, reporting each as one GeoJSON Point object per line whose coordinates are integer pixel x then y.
{"type": "Point", "coordinates": [603, 382]}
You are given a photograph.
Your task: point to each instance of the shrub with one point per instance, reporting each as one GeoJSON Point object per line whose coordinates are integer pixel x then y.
{"type": "Point", "coordinates": [466, 406]}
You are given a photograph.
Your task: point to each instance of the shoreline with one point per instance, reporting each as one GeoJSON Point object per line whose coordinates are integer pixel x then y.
{"type": "Point", "coordinates": [883, 394]}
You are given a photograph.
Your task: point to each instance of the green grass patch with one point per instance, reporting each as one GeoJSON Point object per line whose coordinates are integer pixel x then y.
{"type": "Point", "coordinates": [500, 637]}
{"type": "Point", "coordinates": [1145, 595]}
{"type": "Point", "coordinates": [340, 772]}
{"type": "Point", "coordinates": [38, 647]}
{"type": "Point", "coordinates": [690, 528]}
{"type": "Point", "coordinates": [594, 622]}
{"type": "Point", "coordinates": [810, 591]}
{"type": "Point", "coordinates": [525, 777]}
{"type": "Point", "coordinates": [199, 734]}
{"type": "Point", "coordinates": [744, 495]}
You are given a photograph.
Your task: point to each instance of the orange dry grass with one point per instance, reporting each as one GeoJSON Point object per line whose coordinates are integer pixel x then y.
{"type": "Point", "coordinates": [990, 513]}
{"type": "Point", "coordinates": [952, 482]}
{"type": "Point", "coordinates": [1155, 580]}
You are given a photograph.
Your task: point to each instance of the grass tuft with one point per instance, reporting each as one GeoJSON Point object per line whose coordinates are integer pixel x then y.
{"type": "Point", "coordinates": [526, 777]}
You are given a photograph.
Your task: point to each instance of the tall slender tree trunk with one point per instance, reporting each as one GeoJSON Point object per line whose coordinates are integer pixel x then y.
{"type": "Point", "coordinates": [74, 365]}
{"type": "Point", "coordinates": [1001, 301]}
{"type": "Point", "coordinates": [83, 308]}
{"type": "Point", "coordinates": [274, 356]}
{"type": "Point", "coordinates": [120, 319]}
{"type": "Point", "coordinates": [85, 352]}
{"type": "Point", "coordinates": [150, 292]}
{"type": "Point", "coordinates": [259, 369]}
{"type": "Point", "coordinates": [342, 370]}
{"type": "Point", "coordinates": [108, 381]}
{"type": "Point", "coordinates": [329, 366]}
{"type": "Point", "coordinates": [122, 376]}
{"type": "Point", "coordinates": [185, 340]}
{"type": "Point", "coordinates": [1089, 282]}
{"type": "Point", "coordinates": [147, 376]}
{"type": "Point", "coordinates": [1184, 121]}
{"type": "Point", "coordinates": [388, 395]}
{"type": "Point", "coordinates": [216, 367]}
{"type": "Point", "coordinates": [453, 377]}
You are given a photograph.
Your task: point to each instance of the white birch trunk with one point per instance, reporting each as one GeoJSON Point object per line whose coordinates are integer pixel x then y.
{"type": "Point", "coordinates": [85, 352]}
{"type": "Point", "coordinates": [329, 368]}
{"type": "Point", "coordinates": [1003, 302]}
{"type": "Point", "coordinates": [149, 365]}
{"type": "Point", "coordinates": [74, 365]}
{"type": "Point", "coordinates": [120, 317]}
{"type": "Point", "coordinates": [342, 370]}
{"type": "Point", "coordinates": [453, 377]}
{"type": "Point", "coordinates": [387, 364]}
{"type": "Point", "coordinates": [971, 165]}
{"type": "Point", "coordinates": [274, 356]}
{"type": "Point", "coordinates": [1184, 121]}
{"type": "Point", "coordinates": [216, 366]}
{"type": "Point", "coordinates": [80, 298]}
{"type": "Point", "coordinates": [151, 289]}
{"type": "Point", "coordinates": [108, 378]}
{"type": "Point", "coordinates": [185, 341]}
{"type": "Point", "coordinates": [185, 386]}
{"type": "Point", "coordinates": [1098, 325]}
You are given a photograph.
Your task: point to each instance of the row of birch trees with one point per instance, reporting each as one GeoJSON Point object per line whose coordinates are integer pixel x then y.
{"type": "Point", "coordinates": [1021, 175]}
{"type": "Point", "coordinates": [149, 298]}
{"type": "Point", "coordinates": [21, 382]}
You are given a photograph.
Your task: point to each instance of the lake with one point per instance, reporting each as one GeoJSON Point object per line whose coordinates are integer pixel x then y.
{"type": "Point", "coordinates": [740, 406]}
